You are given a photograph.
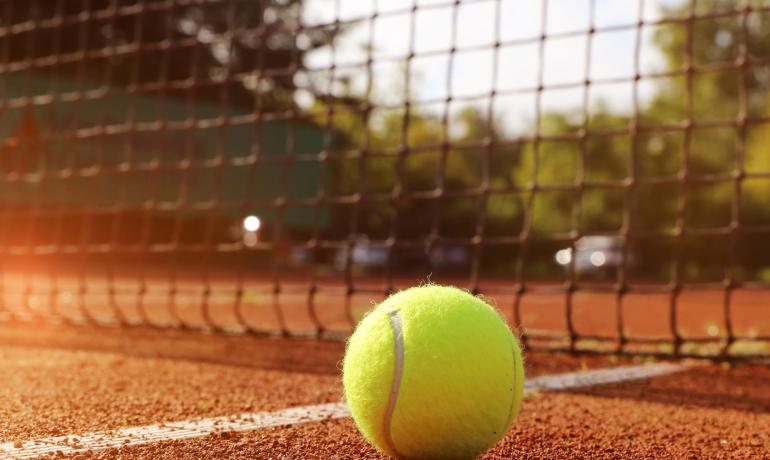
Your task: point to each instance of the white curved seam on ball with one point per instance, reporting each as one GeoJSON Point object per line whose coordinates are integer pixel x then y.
{"type": "Point", "coordinates": [513, 389]}
{"type": "Point", "coordinates": [395, 323]}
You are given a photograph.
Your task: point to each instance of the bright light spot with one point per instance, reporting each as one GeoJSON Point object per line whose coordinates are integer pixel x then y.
{"type": "Point", "coordinates": [251, 223]}
{"type": "Point", "coordinates": [712, 330]}
{"type": "Point", "coordinates": [598, 258]}
{"type": "Point", "coordinates": [563, 256]}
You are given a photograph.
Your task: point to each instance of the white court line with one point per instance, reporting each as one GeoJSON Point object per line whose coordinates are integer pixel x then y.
{"type": "Point", "coordinates": [149, 434]}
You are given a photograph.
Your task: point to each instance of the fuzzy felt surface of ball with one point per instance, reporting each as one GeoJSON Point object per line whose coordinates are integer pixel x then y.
{"type": "Point", "coordinates": [433, 372]}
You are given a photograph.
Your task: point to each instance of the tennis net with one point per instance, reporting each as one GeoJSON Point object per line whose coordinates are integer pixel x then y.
{"type": "Point", "coordinates": [599, 171]}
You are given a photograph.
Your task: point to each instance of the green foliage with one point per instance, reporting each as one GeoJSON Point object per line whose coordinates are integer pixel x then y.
{"type": "Point", "coordinates": [581, 171]}
{"type": "Point", "coordinates": [418, 155]}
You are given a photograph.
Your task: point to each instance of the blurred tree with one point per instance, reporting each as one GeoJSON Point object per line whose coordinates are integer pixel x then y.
{"type": "Point", "coordinates": [723, 90]}
{"type": "Point", "coordinates": [580, 182]}
{"type": "Point", "coordinates": [377, 155]}
{"type": "Point", "coordinates": [756, 190]}
{"type": "Point", "coordinates": [662, 150]}
{"type": "Point", "coordinates": [596, 165]}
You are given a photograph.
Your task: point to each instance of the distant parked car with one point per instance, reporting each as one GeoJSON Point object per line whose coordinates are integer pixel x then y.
{"type": "Point", "coordinates": [370, 256]}
{"type": "Point", "coordinates": [449, 257]}
{"type": "Point", "coordinates": [595, 255]}
{"type": "Point", "coordinates": [365, 255]}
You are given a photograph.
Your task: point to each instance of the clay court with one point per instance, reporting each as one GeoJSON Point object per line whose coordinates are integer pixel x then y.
{"type": "Point", "coordinates": [65, 382]}
{"type": "Point", "coordinates": [201, 199]}
{"type": "Point", "coordinates": [74, 381]}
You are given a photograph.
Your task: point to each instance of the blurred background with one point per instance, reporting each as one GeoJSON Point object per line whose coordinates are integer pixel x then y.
{"type": "Point", "coordinates": [277, 166]}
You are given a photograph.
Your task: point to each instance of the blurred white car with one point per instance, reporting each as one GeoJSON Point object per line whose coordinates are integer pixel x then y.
{"type": "Point", "coordinates": [601, 255]}
{"type": "Point", "coordinates": [370, 256]}
{"type": "Point", "coordinates": [365, 255]}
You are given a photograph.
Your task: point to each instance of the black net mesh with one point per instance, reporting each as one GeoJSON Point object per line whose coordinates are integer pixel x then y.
{"type": "Point", "coordinates": [599, 170]}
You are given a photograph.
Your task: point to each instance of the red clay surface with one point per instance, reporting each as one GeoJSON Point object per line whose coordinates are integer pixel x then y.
{"type": "Point", "coordinates": [706, 413]}
{"type": "Point", "coordinates": [62, 380]}
{"type": "Point", "coordinates": [699, 314]}
{"type": "Point", "coordinates": [65, 380]}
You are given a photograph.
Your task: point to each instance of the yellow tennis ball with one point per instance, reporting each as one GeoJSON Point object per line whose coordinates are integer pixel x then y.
{"type": "Point", "coordinates": [433, 372]}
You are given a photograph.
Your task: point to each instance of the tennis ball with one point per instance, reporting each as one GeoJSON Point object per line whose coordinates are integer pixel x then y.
{"type": "Point", "coordinates": [433, 372]}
